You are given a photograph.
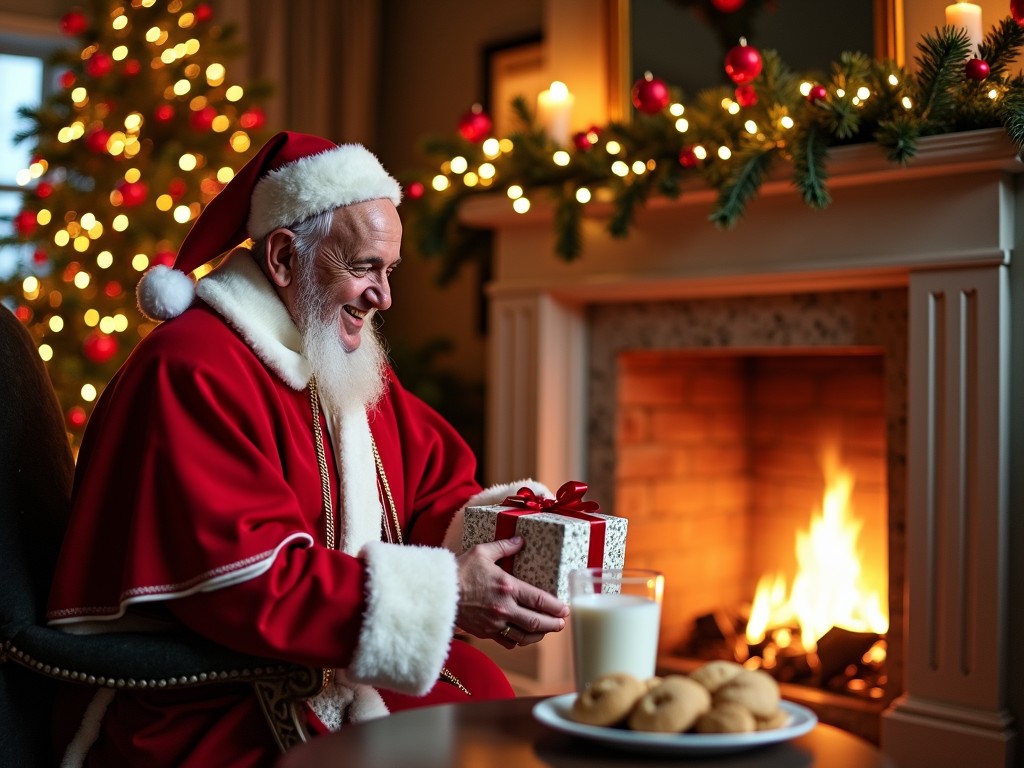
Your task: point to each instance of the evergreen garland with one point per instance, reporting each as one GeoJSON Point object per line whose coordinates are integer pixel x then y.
{"type": "Point", "coordinates": [866, 100]}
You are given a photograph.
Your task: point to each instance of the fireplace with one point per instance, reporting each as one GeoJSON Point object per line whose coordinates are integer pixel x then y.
{"type": "Point", "coordinates": [908, 268]}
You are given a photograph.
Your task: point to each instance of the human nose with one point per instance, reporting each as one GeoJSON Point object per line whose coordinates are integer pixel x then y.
{"type": "Point", "coordinates": [380, 293]}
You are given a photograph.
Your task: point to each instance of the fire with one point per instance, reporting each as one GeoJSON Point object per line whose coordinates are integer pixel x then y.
{"type": "Point", "coordinates": [828, 590]}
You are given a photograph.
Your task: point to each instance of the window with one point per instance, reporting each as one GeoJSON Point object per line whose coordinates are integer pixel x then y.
{"type": "Point", "coordinates": [27, 78]}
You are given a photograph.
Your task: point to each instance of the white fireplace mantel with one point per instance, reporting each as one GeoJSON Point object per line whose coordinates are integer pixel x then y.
{"type": "Point", "coordinates": [945, 228]}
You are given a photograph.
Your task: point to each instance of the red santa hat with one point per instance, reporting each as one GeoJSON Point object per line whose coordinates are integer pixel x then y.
{"type": "Point", "coordinates": [292, 177]}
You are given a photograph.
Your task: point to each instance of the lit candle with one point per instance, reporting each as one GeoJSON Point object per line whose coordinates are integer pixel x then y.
{"type": "Point", "coordinates": [554, 112]}
{"type": "Point", "coordinates": [967, 16]}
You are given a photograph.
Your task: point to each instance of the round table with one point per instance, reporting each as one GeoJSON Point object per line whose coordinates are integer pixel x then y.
{"type": "Point", "coordinates": [504, 733]}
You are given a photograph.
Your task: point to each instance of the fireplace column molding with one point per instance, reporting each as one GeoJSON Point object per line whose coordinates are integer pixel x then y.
{"type": "Point", "coordinates": [953, 710]}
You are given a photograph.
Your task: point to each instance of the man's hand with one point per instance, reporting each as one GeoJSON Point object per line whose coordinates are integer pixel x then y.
{"type": "Point", "coordinates": [497, 605]}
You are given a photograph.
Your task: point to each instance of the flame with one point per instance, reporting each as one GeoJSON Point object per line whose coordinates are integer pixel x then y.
{"type": "Point", "coordinates": [828, 590]}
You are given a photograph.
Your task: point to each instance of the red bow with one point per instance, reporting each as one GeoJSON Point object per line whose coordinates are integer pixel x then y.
{"type": "Point", "coordinates": [568, 501]}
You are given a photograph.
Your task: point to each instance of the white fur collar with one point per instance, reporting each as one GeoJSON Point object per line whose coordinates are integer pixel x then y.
{"type": "Point", "coordinates": [243, 296]}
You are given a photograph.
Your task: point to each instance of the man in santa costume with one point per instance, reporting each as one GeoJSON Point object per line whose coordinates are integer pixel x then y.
{"type": "Point", "coordinates": [255, 473]}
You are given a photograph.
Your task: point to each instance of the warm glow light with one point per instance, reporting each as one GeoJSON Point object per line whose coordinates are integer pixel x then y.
{"type": "Point", "coordinates": [639, 166]}
{"type": "Point", "coordinates": [182, 87]}
{"type": "Point", "coordinates": [676, 109]}
{"type": "Point", "coordinates": [893, 80]}
{"type": "Point", "coordinates": [120, 53]}
{"type": "Point", "coordinates": [81, 243]}
{"type": "Point", "coordinates": [515, 192]}
{"type": "Point", "coordinates": [619, 168]}
{"type": "Point", "coordinates": [140, 262]}
{"type": "Point", "coordinates": [700, 152]}
{"type": "Point", "coordinates": [993, 94]}
{"type": "Point", "coordinates": [61, 238]}
{"type": "Point", "coordinates": [79, 95]}
{"type": "Point", "coordinates": [786, 122]}
{"type": "Point", "coordinates": [520, 205]}
{"type": "Point", "coordinates": [220, 124]}
{"type": "Point", "coordinates": [724, 153]}
{"type": "Point", "coordinates": [583, 195]}
{"type": "Point", "coordinates": [459, 164]}
{"type": "Point", "coordinates": [107, 325]}
{"type": "Point", "coordinates": [234, 93]}
{"type": "Point", "coordinates": [30, 288]}
{"type": "Point", "coordinates": [187, 162]}
{"type": "Point", "coordinates": [81, 279]}
{"type": "Point", "coordinates": [863, 92]}
{"type": "Point", "coordinates": [46, 352]}
{"type": "Point", "coordinates": [828, 589]}
{"type": "Point", "coordinates": [120, 323]}
{"type": "Point", "coordinates": [734, 108]}
{"type": "Point", "coordinates": [153, 34]}
{"type": "Point", "coordinates": [440, 182]}
{"type": "Point", "coordinates": [470, 179]}
{"type": "Point", "coordinates": [182, 214]}
{"type": "Point", "coordinates": [750, 126]}
{"type": "Point", "coordinates": [561, 157]}
{"type": "Point", "coordinates": [486, 170]}
{"type": "Point", "coordinates": [240, 142]}
{"type": "Point", "coordinates": [91, 317]}
{"type": "Point", "coordinates": [613, 148]}
{"type": "Point", "coordinates": [491, 147]}
{"type": "Point", "coordinates": [506, 145]}
{"type": "Point", "coordinates": [907, 103]}
{"type": "Point", "coordinates": [88, 392]}
{"type": "Point", "coordinates": [805, 88]}
{"type": "Point", "coordinates": [56, 323]}
{"type": "Point", "coordinates": [44, 216]}
{"type": "Point", "coordinates": [120, 22]}
{"type": "Point", "coordinates": [120, 223]}
{"type": "Point", "coordinates": [104, 259]}
{"type": "Point", "coordinates": [682, 125]}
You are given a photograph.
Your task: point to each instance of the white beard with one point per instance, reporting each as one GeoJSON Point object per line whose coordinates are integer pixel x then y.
{"type": "Point", "coordinates": [345, 379]}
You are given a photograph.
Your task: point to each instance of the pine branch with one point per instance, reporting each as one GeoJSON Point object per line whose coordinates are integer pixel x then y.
{"type": "Point", "coordinates": [898, 137]}
{"type": "Point", "coordinates": [940, 70]}
{"type": "Point", "coordinates": [1011, 111]}
{"type": "Point", "coordinates": [1001, 46]}
{"type": "Point", "coordinates": [743, 186]}
{"type": "Point", "coordinates": [568, 240]}
{"type": "Point", "coordinates": [809, 171]}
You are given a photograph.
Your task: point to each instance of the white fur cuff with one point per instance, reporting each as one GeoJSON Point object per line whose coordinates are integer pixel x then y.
{"type": "Point", "coordinates": [410, 617]}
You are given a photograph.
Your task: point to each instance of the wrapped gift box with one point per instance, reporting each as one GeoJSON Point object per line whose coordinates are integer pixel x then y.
{"type": "Point", "coordinates": [554, 543]}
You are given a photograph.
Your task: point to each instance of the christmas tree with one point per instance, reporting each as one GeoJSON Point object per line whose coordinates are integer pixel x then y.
{"type": "Point", "coordinates": [146, 128]}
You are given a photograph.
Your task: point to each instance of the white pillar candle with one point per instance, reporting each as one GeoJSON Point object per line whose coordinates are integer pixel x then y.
{"type": "Point", "coordinates": [967, 16]}
{"type": "Point", "coordinates": [554, 112]}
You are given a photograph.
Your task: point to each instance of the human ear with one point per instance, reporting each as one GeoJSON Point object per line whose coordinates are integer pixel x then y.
{"type": "Point", "coordinates": [277, 257]}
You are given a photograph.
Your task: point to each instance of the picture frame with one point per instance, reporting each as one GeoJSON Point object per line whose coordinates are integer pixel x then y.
{"type": "Point", "coordinates": [512, 67]}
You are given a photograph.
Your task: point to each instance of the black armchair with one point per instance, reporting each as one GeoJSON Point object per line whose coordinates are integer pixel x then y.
{"type": "Point", "coordinates": [36, 470]}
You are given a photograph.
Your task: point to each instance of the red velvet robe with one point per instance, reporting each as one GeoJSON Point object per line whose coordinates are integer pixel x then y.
{"type": "Point", "coordinates": [198, 502]}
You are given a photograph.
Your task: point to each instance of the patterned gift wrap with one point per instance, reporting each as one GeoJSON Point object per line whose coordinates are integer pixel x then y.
{"type": "Point", "coordinates": [555, 543]}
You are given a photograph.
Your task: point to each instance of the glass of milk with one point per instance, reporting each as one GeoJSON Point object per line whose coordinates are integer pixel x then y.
{"type": "Point", "coordinates": [615, 617]}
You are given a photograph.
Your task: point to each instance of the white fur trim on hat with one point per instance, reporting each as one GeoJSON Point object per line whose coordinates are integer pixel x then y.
{"type": "Point", "coordinates": [316, 183]}
{"type": "Point", "coordinates": [164, 293]}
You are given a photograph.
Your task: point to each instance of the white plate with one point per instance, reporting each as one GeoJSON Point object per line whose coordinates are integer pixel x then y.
{"type": "Point", "coordinates": [554, 712]}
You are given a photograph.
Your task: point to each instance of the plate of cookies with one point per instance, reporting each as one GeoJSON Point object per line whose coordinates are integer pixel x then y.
{"type": "Point", "coordinates": [719, 707]}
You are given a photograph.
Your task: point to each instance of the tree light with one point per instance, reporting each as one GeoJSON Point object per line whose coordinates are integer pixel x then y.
{"type": "Point", "coordinates": [619, 168]}
{"type": "Point", "coordinates": [561, 157]}
{"type": "Point", "coordinates": [458, 164]}
{"type": "Point", "coordinates": [613, 148]}
{"type": "Point", "coordinates": [521, 205]}
{"type": "Point", "coordinates": [440, 182]}
{"type": "Point", "coordinates": [724, 153]}
{"type": "Point", "coordinates": [583, 195]}
{"type": "Point", "coordinates": [88, 392]}
{"type": "Point", "coordinates": [514, 192]}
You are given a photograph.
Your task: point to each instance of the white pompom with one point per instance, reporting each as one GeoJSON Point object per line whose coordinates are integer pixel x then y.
{"type": "Point", "coordinates": [164, 293]}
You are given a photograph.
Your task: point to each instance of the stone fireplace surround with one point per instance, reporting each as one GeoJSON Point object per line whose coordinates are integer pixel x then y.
{"type": "Point", "coordinates": [942, 229]}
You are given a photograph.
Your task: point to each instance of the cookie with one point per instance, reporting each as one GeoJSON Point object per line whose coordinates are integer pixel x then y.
{"type": "Point", "coordinates": [754, 689]}
{"type": "Point", "coordinates": [672, 706]}
{"type": "Point", "coordinates": [777, 719]}
{"type": "Point", "coordinates": [715, 674]}
{"type": "Point", "coordinates": [727, 717]}
{"type": "Point", "coordinates": [608, 700]}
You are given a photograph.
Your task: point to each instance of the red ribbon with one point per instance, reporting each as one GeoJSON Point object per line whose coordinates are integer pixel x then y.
{"type": "Point", "coordinates": [568, 501]}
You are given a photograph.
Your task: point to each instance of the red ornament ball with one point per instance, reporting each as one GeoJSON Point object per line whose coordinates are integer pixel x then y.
{"type": "Point", "coordinates": [203, 12]}
{"type": "Point", "coordinates": [743, 63]}
{"type": "Point", "coordinates": [113, 289]}
{"type": "Point", "coordinates": [23, 313]}
{"type": "Point", "coordinates": [584, 140]}
{"type": "Point", "coordinates": [99, 64]}
{"type": "Point", "coordinates": [73, 23]}
{"type": "Point", "coordinates": [44, 189]}
{"type": "Point", "coordinates": [76, 417]}
{"type": "Point", "coordinates": [817, 93]}
{"type": "Point", "coordinates": [132, 67]}
{"type": "Point", "coordinates": [176, 188]}
{"type": "Point", "coordinates": [977, 69]}
{"type": "Point", "coordinates": [163, 113]}
{"type": "Point", "coordinates": [98, 347]}
{"type": "Point", "coordinates": [253, 119]}
{"type": "Point", "coordinates": [202, 119]}
{"type": "Point", "coordinates": [163, 258]}
{"type": "Point", "coordinates": [66, 79]}
{"type": "Point", "coordinates": [133, 193]}
{"type": "Point", "coordinates": [650, 94]}
{"type": "Point", "coordinates": [1017, 11]}
{"type": "Point", "coordinates": [475, 125]}
{"type": "Point", "coordinates": [25, 223]}
{"type": "Point", "coordinates": [415, 190]}
{"type": "Point", "coordinates": [688, 158]}
{"type": "Point", "coordinates": [728, 6]}
{"type": "Point", "coordinates": [39, 257]}
{"type": "Point", "coordinates": [746, 95]}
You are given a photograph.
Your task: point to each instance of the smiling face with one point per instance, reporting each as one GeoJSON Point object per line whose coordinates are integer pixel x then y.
{"type": "Point", "coordinates": [341, 276]}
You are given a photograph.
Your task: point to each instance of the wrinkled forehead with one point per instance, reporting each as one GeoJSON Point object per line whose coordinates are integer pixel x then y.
{"type": "Point", "coordinates": [369, 224]}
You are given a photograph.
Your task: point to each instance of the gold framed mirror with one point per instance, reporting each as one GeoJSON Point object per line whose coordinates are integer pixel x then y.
{"type": "Point", "coordinates": [812, 32]}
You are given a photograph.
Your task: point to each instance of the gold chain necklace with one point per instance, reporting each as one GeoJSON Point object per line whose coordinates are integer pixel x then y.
{"type": "Point", "coordinates": [329, 532]}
